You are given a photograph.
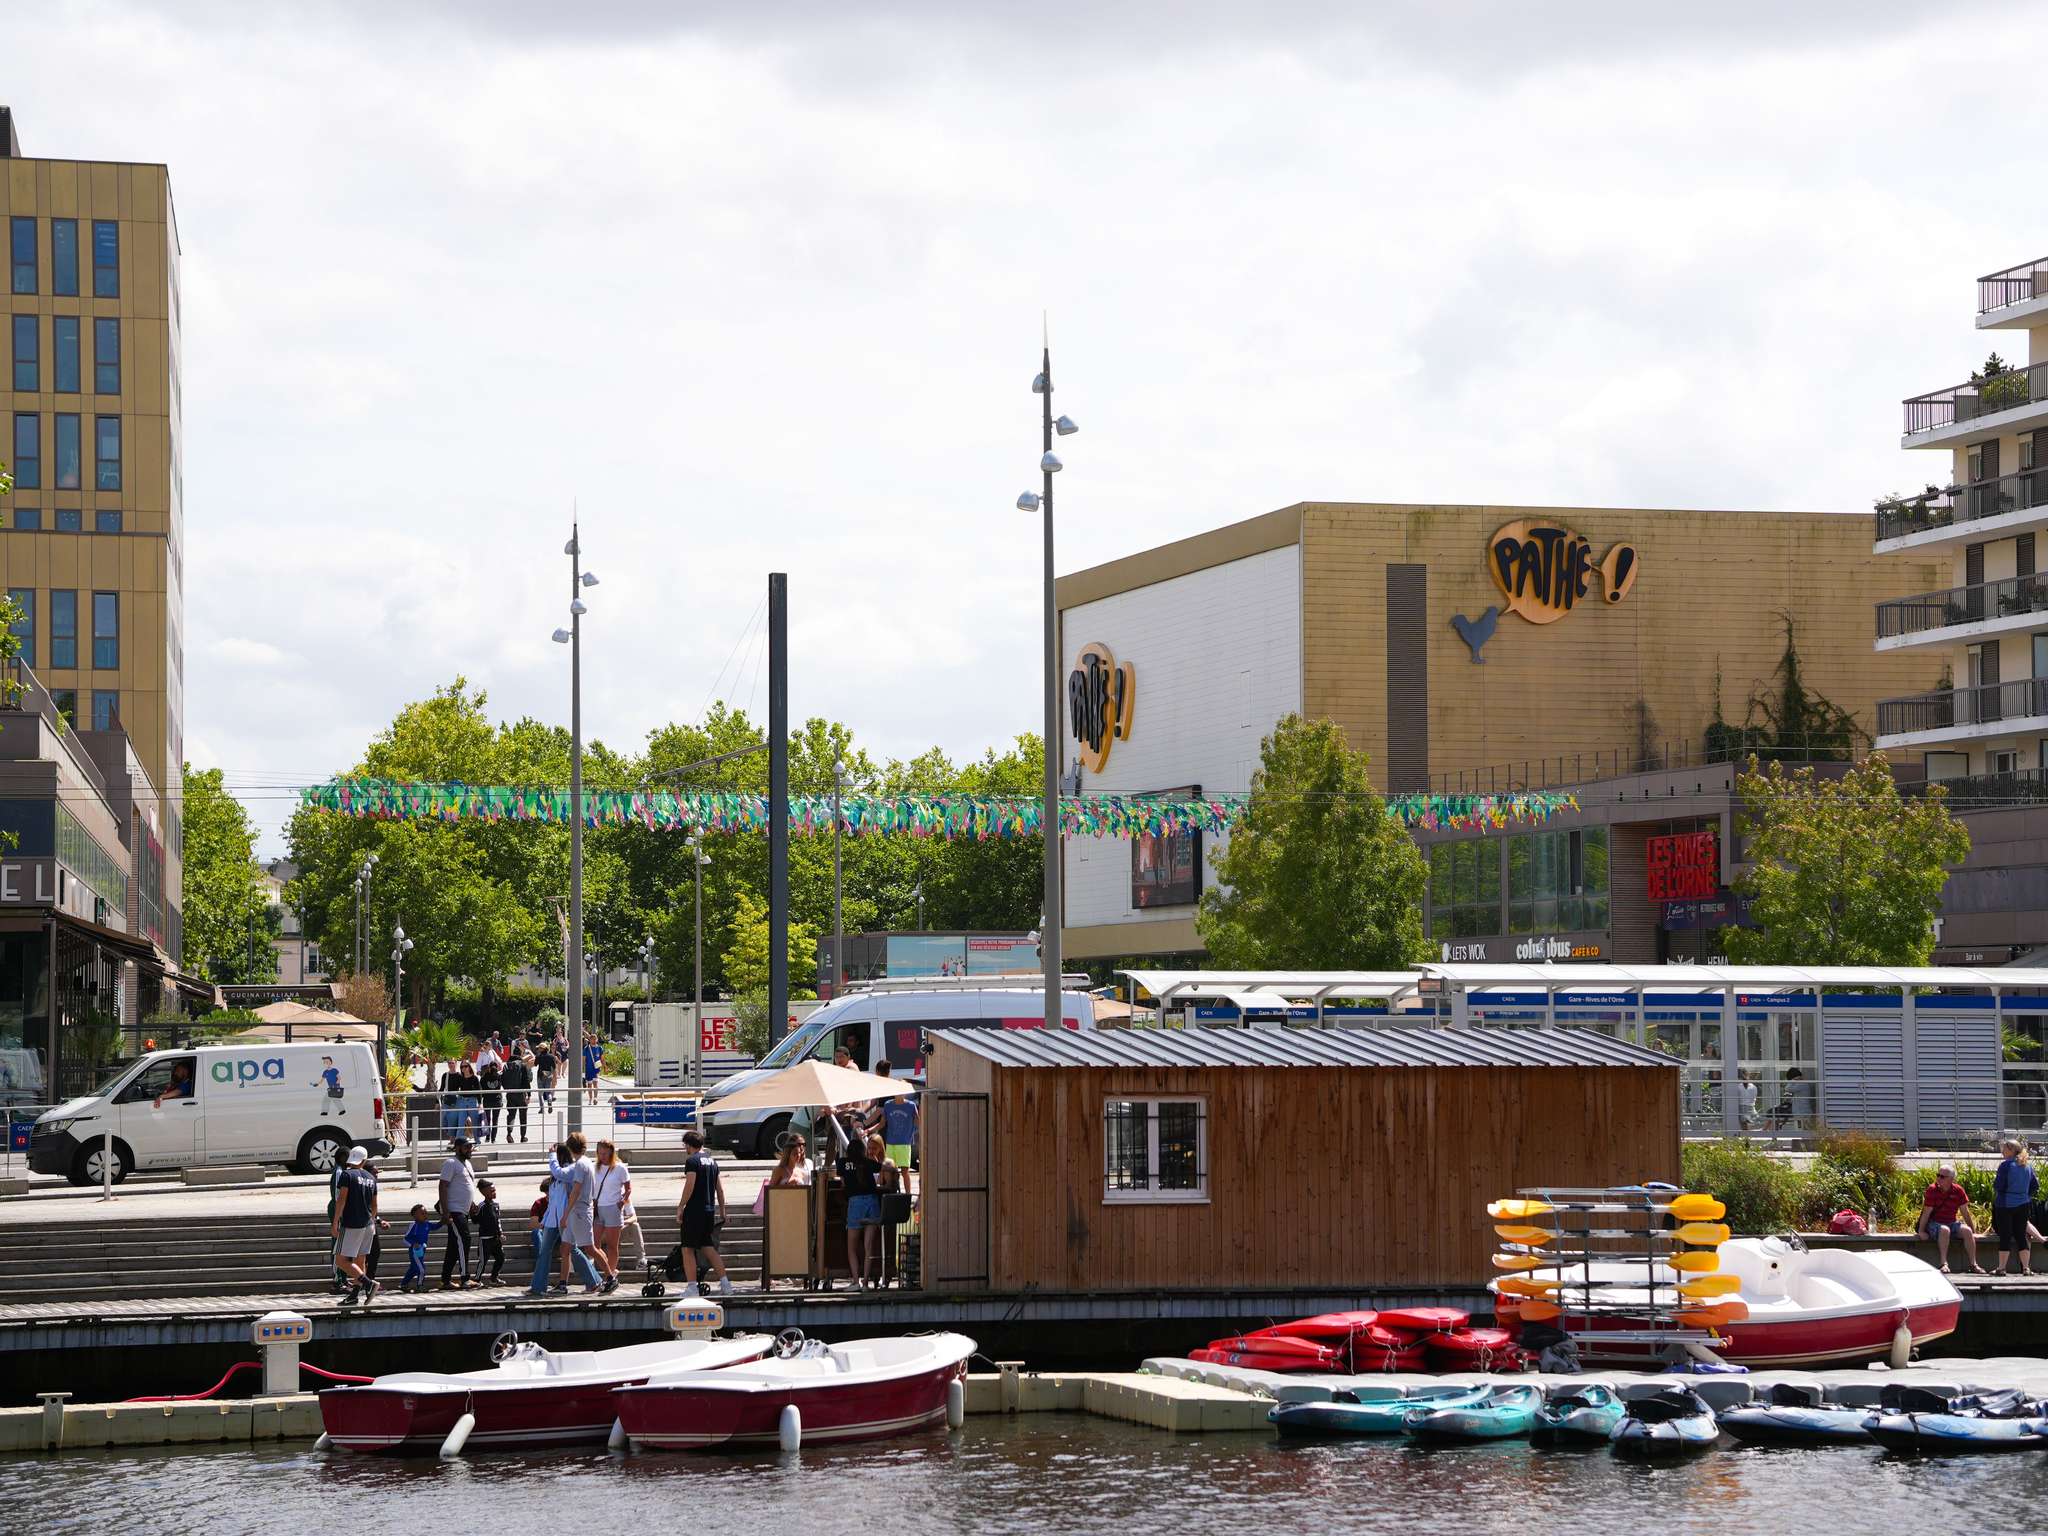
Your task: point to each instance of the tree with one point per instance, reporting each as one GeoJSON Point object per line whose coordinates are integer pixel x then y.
{"type": "Point", "coordinates": [1842, 871]}
{"type": "Point", "coordinates": [228, 918]}
{"type": "Point", "coordinates": [746, 970]}
{"type": "Point", "coordinates": [1316, 875]}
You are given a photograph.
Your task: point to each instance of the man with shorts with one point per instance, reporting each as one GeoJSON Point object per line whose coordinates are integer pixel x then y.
{"type": "Point", "coordinates": [701, 1213]}
{"type": "Point", "coordinates": [1945, 1212]}
{"type": "Point", "coordinates": [579, 1223]}
{"type": "Point", "coordinates": [899, 1130]}
{"type": "Point", "coordinates": [355, 1223]}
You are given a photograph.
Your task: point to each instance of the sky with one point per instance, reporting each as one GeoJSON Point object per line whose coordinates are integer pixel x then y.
{"type": "Point", "coordinates": [762, 287]}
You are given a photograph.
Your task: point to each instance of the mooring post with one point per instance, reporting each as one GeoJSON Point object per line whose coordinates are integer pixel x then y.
{"type": "Point", "coordinates": [53, 1419]}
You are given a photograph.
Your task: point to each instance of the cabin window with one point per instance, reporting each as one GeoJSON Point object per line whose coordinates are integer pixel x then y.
{"type": "Point", "coordinates": [1155, 1150]}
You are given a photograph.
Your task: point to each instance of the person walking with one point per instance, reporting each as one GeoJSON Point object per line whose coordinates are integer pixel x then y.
{"type": "Point", "coordinates": [517, 1080]}
{"type": "Point", "coordinates": [490, 1234]}
{"type": "Point", "coordinates": [614, 1190]}
{"type": "Point", "coordinates": [570, 1172]}
{"type": "Point", "coordinates": [455, 1197]}
{"type": "Point", "coordinates": [489, 1076]}
{"type": "Point", "coordinates": [2014, 1188]}
{"type": "Point", "coordinates": [593, 1062]}
{"type": "Point", "coordinates": [544, 1063]}
{"type": "Point", "coordinates": [417, 1236]}
{"type": "Point", "coordinates": [355, 1224]}
{"type": "Point", "coordinates": [548, 1211]}
{"type": "Point", "coordinates": [701, 1212]}
{"type": "Point", "coordinates": [580, 1224]}
{"type": "Point", "coordinates": [470, 1090]}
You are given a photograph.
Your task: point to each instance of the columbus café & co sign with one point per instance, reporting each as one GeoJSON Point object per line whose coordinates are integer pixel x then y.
{"type": "Point", "coordinates": [1100, 698]}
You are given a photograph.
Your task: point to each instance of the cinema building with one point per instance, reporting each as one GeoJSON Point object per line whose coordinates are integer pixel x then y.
{"type": "Point", "coordinates": [1473, 651]}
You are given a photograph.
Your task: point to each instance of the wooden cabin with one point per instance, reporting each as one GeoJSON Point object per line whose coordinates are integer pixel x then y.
{"type": "Point", "coordinates": [1110, 1160]}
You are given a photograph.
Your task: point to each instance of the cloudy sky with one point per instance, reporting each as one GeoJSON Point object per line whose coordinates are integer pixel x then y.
{"type": "Point", "coordinates": [759, 287]}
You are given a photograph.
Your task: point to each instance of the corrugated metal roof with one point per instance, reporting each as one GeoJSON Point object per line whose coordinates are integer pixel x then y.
{"type": "Point", "coordinates": [1344, 1047]}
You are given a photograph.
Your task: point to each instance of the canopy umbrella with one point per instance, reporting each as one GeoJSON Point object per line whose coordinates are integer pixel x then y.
{"type": "Point", "coordinates": [812, 1084]}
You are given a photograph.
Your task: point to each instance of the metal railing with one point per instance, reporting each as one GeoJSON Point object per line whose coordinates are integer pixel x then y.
{"type": "Point", "coordinates": [1977, 397]}
{"type": "Point", "coordinates": [1925, 611]}
{"type": "Point", "coordinates": [1981, 791]}
{"type": "Point", "coordinates": [2014, 285]}
{"type": "Point", "coordinates": [1571, 770]}
{"type": "Point", "coordinates": [1944, 507]}
{"type": "Point", "coordinates": [1948, 708]}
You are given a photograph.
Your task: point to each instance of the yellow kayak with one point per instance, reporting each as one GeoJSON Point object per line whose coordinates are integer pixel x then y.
{"type": "Point", "coordinates": [1535, 1237]}
{"type": "Point", "coordinates": [1686, 1207]}
{"type": "Point", "coordinates": [1710, 1285]}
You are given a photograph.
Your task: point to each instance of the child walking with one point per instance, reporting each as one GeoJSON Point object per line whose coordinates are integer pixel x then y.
{"type": "Point", "coordinates": [490, 1228]}
{"type": "Point", "coordinates": [416, 1237]}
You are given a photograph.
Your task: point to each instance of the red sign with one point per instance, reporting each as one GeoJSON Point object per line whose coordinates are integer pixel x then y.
{"type": "Point", "coordinates": [1684, 868]}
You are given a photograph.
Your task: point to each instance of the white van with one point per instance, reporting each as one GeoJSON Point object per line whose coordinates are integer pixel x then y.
{"type": "Point", "coordinates": [886, 1020]}
{"type": "Point", "coordinates": [301, 1104]}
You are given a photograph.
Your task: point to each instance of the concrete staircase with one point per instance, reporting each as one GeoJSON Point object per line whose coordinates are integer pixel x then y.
{"type": "Point", "coordinates": [267, 1256]}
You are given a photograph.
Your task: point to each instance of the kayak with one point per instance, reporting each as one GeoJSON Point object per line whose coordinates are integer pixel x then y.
{"type": "Point", "coordinates": [1914, 1419]}
{"type": "Point", "coordinates": [1583, 1417]}
{"type": "Point", "coordinates": [1330, 1325]}
{"type": "Point", "coordinates": [1793, 1415]}
{"type": "Point", "coordinates": [1501, 1413]}
{"type": "Point", "coordinates": [1344, 1414]}
{"type": "Point", "coordinates": [1669, 1422]}
{"type": "Point", "coordinates": [1425, 1319]}
{"type": "Point", "coordinates": [1471, 1349]}
{"type": "Point", "coordinates": [1413, 1358]}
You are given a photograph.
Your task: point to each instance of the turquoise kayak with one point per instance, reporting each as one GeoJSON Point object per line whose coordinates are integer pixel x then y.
{"type": "Point", "coordinates": [1585, 1416]}
{"type": "Point", "coordinates": [1669, 1422]}
{"type": "Point", "coordinates": [1501, 1413]}
{"type": "Point", "coordinates": [1344, 1414]}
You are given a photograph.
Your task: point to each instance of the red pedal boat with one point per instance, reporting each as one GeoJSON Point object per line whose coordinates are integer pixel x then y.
{"type": "Point", "coordinates": [528, 1396]}
{"type": "Point", "coordinates": [864, 1389]}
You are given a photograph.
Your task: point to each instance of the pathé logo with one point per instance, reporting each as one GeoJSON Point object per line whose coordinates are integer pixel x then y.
{"type": "Point", "coordinates": [247, 1069]}
{"type": "Point", "coordinates": [1100, 698]}
{"type": "Point", "coordinates": [1543, 570]}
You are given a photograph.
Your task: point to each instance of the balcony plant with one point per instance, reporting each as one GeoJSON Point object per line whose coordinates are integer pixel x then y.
{"type": "Point", "coordinates": [2000, 386]}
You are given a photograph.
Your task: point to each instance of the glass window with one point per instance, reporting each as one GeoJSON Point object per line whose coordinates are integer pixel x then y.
{"type": "Point", "coordinates": [22, 242]}
{"type": "Point", "coordinates": [27, 362]}
{"type": "Point", "coordinates": [106, 709]}
{"type": "Point", "coordinates": [64, 256]}
{"type": "Point", "coordinates": [70, 520]}
{"type": "Point", "coordinates": [106, 259]}
{"type": "Point", "coordinates": [63, 629]}
{"type": "Point", "coordinates": [65, 702]}
{"type": "Point", "coordinates": [1154, 1149]}
{"type": "Point", "coordinates": [27, 467]}
{"type": "Point", "coordinates": [68, 450]}
{"type": "Point", "coordinates": [28, 519]}
{"type": "Point", "coordinates": [64, 343]}
{"type": "Point", "coordinates": [106, 629]}
{"type": "Point", "coordinates": [24, 628]}
{"type": "Point", "coordinates": [106, 356]}
{"type": "Point", "coordinates": [106, 521]}
{"type": "Point", "coordinates": [107, 453]}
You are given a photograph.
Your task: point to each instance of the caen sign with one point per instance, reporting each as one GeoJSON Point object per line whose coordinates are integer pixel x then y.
{"type": "Point", "coordinates": [1100, 698]}
{"type": "Point", "coordinates": [1543, 570]}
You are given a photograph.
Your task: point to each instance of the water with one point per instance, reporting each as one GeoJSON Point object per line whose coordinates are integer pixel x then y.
{"type": "Point", "coordinates": [1039, 1473]}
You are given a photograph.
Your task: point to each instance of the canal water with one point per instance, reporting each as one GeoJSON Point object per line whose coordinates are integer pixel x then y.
{"type": "Point", "coordinates": [1051, 1473]}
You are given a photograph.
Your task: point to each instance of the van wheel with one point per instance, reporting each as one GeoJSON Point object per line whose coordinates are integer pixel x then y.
{"type": "Point", "coordinates": [322, 1151]}
{"type": "Point", "coordinates": [769, 1142]}
{"type": "Point", "coordinates": [86, 1167]}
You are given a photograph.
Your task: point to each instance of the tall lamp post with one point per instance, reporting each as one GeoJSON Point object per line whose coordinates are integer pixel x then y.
{"type": "Point", "coordinates": [646, 965]}
{"type": "Point", "coordinates": [573, 638]}
{"type": "Point", "coordinates": [1035, 501]}
{"type": "Point", "coordinates": [359, 956]}
{"type": "Point", "coordinates": [400, 947]}
{"type": "Point", "coordinates": [698, 859]}
{"type": "Point", "coordinates": [838, 913]}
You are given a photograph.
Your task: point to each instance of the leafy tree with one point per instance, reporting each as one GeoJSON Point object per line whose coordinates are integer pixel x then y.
{"type": "Point", "coordinates": [1843, 871]}
{"type": "Point", "coordinates": [225, 902]}
{"type": "Point", "coordinates": [746, 970]}
{"type": "Point", "coordinates": [1316, 875]}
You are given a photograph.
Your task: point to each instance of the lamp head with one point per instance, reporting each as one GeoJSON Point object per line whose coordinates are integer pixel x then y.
{"type": "Point", "coordinates": [1038, 384]}
{"type": "Point", "coordinates": [577, 608]}
{"type": "Point", "coordinates": [1065, 426]}
{"type": "Point", "coordinates": [1028, 502]}
{"type": "Point", "coordinates": [560, 637]}
{"type": "Point", "coordinates": [590, 577]}
{"type": "Point", "coordinates": [1051, 464]}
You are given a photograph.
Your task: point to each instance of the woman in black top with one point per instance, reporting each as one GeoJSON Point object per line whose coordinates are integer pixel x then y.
{"type": "Point", "coordinates": [488, 1080]}
{"type": "Point", "coordinates": [863, 1211]}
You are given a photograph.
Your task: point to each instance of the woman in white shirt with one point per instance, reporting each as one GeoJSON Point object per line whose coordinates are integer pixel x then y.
{"type": "Point", "coordinates": [614, 1196]}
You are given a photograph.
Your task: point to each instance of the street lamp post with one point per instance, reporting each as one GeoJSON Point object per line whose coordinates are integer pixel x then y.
{"type": "Point", "coordinates": [698, 859]}
{"type": "Point", "coordinates": [1049, 465]}
{"type": "Point", "coordinates": [646, 965]}
{"type": "Point", "coordinates": [573, 638]}
{"type": "Point", "coordinates": [400, 946]}
{"type": "Point", "coordinates": [838, 913]}
{"type": "Point", "coordinates": [359, 956]}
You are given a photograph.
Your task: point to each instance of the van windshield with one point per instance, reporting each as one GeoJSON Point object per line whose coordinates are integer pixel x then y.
{"type": "Point", "coordinates": [114, 1077]}
{"type": "Point", "coordinates": [794, 1046]}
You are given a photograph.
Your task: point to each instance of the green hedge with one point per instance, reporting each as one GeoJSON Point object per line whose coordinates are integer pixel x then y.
{"type": "Point", "coordinates": [1851, 1171]}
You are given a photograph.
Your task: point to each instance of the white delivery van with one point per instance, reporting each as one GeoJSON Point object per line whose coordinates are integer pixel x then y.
{"type": "Point", "coordinates": [300, 1104]}
{"type": "Point", "coordinates": [884, 1018]}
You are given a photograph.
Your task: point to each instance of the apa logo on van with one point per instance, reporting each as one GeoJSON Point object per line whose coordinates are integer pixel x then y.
{"type": "Point", "coordinates": [247, 1069]}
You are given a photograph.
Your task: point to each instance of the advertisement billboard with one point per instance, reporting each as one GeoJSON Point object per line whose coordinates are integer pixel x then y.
{"type": "Point", "coordinates": [1166, 869]}
{"type": "Point", "coordinates": [1002, 956]}
{"type": "Point", "coordinates": [926, 954]}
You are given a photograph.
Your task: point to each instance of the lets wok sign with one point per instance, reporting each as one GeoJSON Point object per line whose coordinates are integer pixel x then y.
{"type": "Point", "coordinates": [1544, 571]}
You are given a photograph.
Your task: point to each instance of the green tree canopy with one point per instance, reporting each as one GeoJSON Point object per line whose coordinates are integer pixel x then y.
{"type": "Point", "coordinates": [228, 915]}
{"type": "Point", "coordinates": [1842, 871]}
{"type": "Point", "coordinates": [1316, 875]}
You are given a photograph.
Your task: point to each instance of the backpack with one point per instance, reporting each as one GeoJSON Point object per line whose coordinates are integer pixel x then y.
{"type": "Point", "coordinates": [1848, 1224]}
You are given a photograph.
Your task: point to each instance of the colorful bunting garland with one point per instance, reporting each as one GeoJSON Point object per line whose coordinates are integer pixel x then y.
{"type": "Point", "coordinates": [979, 817]}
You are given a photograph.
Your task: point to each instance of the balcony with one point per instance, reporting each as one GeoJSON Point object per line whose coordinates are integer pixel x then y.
{"type": "Point", "coordinates": [2013, 297]}
{"type": "Point", "coordinates": [1987, 791]}
{"type": "Point", "coordinates": [1978, 408]}
{"type": "Point", "coordinates": [2018, 602]}
{"type": "Point", "coordinates": [1961, 713]}
{"type": "Point", "coordinates": [1943, 515]}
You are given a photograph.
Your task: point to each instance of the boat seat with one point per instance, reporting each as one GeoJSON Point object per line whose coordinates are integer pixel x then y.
{"type": "Point", "coordinates": [572, 1361]}
{"type": "Point", "coordinates": [849, 1360]}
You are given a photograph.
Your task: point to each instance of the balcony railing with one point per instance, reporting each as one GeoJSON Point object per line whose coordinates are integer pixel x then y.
{"type": "Point", "coordinates": [1984, 791]}
{"type": "Point", "coordinates": [2015, 285]}
{"type": "Point", "coordinates": [1962, 605]}
{"type": "Point", "coordinates": [1943, 508]}
{"type": "Point", "coordinates": [1948, 708]}
{"type": "Point", "coordinates": [1977, 397]}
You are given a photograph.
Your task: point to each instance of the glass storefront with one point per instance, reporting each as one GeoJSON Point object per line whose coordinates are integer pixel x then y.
{"type": "Point", "coordinates": [24, 1019]}
{"type": "Point", "coordinates": [1556, 883]}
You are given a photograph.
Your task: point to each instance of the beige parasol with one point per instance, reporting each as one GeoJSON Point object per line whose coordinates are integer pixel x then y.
{"type": "Point", "coordinates": [812, 1084]}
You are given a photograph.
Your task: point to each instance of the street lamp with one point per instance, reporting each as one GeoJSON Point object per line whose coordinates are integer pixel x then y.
{"type": "Point", "coordinates": [579, 579]}
{"type": "Point", "coordinates": [698, 859]}
{"type": "Point", "coordinates": [646, 965]}
{"type": "Point", "coordinates": [359, 955]}
{"type": "Point", "coordinates": [838, 915]}
{"type": "Point", "coordinates": [400, 947]}
{"type": "Point", "coordinates": [1035, 501]}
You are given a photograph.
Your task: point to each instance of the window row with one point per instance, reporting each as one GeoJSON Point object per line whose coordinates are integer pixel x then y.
{"type": "Point", "coordinates": [27, 342]}
{"type": "Point", "coordinates": [26, 267]}
{"type": "Point", "coordinates": [106, 627]}
{"type": "Point", "coordinates": [67, 520]}
{"type": "Point", "coordinates": [1555, 881]}
{"type": "Point", "coordinates": [68, 470]}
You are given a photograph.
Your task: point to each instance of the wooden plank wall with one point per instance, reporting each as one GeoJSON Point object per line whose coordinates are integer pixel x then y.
{"type": "Point", "coordinates": [1342, 1177]}
{"type": "Point", "coordinates": [954, 1154]}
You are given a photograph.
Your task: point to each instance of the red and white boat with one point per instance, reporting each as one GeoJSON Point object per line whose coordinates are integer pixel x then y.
{"type": "Point", "coordinates": [1819, 1306]}
{"type": "Point", "coordinates": [864, 1389]}
{"type": "Point", "coordinates": [528, 1396]}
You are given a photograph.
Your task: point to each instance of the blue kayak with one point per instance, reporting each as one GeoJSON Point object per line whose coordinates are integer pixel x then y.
{"type": "Point", "coordinates": [1668, 1422]}
{"type": "Point", "coordinates": [1501, 1413]}
{"type": "Point", "coordinates": [1913, 1419]}
{"type": "Point", "coordinates": [1585, 1416]}
{"type": "Point", "coordinates": [1346, 1415]}
{"type": "Point", "coordinates": [1789, 1414]}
